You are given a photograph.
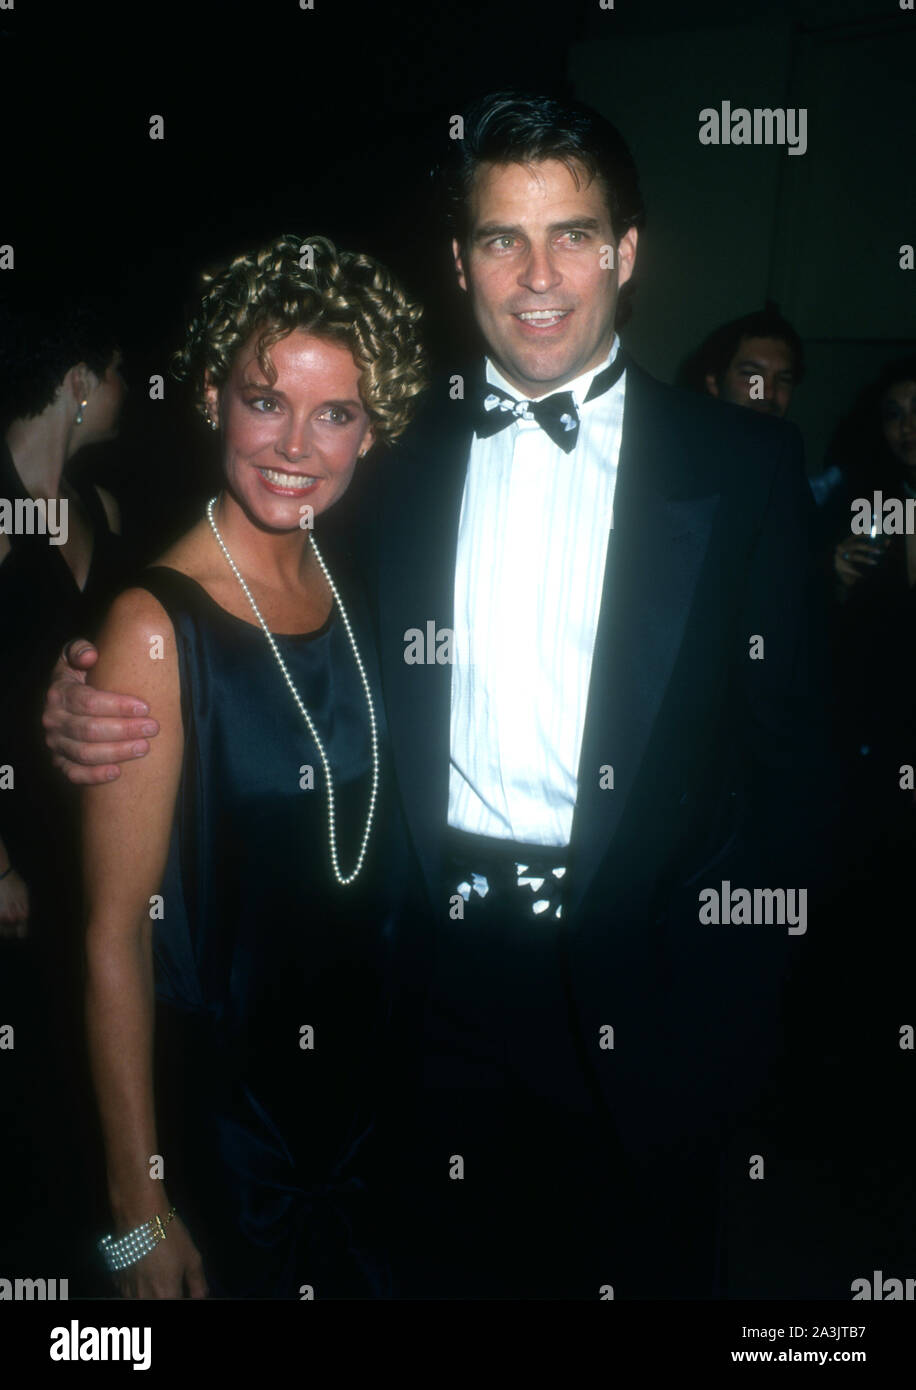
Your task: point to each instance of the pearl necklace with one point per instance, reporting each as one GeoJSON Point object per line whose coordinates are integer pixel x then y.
{"type": "Point", "coordinates": [343, 880]}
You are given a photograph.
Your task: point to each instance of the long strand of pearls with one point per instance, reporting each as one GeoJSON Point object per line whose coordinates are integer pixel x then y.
{"type": "Point", "coordinates": [343, 880]}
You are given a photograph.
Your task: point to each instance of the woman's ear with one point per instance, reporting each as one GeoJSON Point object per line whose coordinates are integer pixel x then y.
{"type": "Point", "coordinates": [211, 399]}
{"type": "Point", "coordinates": [367, 442]}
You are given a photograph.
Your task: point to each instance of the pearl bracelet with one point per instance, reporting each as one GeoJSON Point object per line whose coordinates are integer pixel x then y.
{"type": "Point", "coordinates": [130, 1248]}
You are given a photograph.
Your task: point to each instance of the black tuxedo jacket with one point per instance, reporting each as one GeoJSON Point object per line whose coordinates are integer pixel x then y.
{"type": "Point", "coordinates": [720, 763]}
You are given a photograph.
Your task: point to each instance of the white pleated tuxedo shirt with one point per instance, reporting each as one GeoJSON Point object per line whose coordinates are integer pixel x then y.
{"type": "Point", "coordinates": [532, 547]}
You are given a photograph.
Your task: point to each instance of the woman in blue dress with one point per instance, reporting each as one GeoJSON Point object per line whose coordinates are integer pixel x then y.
{"type": "Point", "coordinates": [240, 924]}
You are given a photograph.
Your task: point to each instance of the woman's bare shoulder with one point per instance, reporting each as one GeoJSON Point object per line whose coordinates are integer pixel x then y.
{"type": "Point", "coordinates": [135, 610]}
{"type": "Point", "coordinates": [137, 647]}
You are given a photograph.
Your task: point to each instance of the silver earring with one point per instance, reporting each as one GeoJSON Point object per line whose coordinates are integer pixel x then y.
{"type": "Point", "coordinates": [212, 423]}
{"type": "Point", "coordinates": [79, 413]}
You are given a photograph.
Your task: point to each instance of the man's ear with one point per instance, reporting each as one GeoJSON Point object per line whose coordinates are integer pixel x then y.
{"type": "Point", "coordinates": [459, 263]}
{"type": "Point", "coordinates": [626, 256]}
{"type": "Point", "coordinates": [712, 386]}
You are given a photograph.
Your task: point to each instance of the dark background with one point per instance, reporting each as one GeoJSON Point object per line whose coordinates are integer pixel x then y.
{"type": "Point", "coordinates": [280, 119]}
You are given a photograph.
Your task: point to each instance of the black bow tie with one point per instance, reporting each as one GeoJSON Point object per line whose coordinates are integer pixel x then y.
{"type": "Point", "coordinates": [557, 414]}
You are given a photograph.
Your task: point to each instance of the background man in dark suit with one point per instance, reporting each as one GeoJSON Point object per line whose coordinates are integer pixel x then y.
{"type": "Point", "coordinates": [600, 659]}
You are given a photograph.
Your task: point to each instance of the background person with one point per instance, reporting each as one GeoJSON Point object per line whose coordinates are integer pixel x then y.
{"type": "Point", "coordinates": [754, 361]}
{"type": "Point", "coordinates": [62, 390]}
{"type": "Point", "coordinates": [875, 611]}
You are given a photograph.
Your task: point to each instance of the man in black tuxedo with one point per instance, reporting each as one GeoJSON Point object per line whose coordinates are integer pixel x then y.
{"type": "Point", "coordinates": [602, 668]}
{"type": "Point", "coordinates": [601, 665]}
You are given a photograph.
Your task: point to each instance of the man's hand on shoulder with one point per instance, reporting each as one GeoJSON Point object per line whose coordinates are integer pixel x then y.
{"type": "Point", "coordinates": [90, 731]}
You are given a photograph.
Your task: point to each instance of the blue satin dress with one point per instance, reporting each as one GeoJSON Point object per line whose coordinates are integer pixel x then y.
{"type": "Point", "coordinates": [271, 979]}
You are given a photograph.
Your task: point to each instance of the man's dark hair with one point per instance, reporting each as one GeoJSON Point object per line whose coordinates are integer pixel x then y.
{"type": "Point", "coordinates": [520, 128]}
{"type": "Point", "coordinates": [40, 340]}
{"type": "Point", "coordinates": [716, 352]}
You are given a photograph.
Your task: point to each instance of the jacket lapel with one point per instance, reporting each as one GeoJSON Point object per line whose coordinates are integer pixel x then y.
{"type": "Point", "coordinates": [655, 554]}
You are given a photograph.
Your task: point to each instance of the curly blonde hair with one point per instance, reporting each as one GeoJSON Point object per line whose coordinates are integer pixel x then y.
{"type": "Point", "coordinates": [305, 282]}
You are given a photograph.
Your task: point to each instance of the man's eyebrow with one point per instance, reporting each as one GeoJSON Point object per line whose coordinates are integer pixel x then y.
{"type": "Point", "coordinates": [585, 224]}
{"type": "Point", "coordinates": [488, 229]}
{"type": "Point", "coordinates": [494, 229]}
{"type": "Point", "coordinates": [753, 362]}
